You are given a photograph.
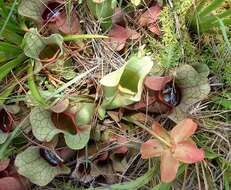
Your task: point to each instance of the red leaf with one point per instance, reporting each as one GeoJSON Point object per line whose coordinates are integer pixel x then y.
{"type": "Point", "coordinates": [118, 17]}
{"type": "Point", "coordinates": [11, 183]}
{"type": "Point", "coordinates": [187, 152]}
{"type": "Point", "coordinates": [63, 25]}
{"type": "Point", "coordinates": [102, 157]}
{"type": "Point", "coordinates": [65, 121]}
{"type": "Point", "coordinates": [122, 149]}
{"type": "Point", "coordinates": [154, 28]}
{"type": "Point", "coordinates": [150, 16]}
{"type": "Point", "coordinates": [151, 148]}
{"type": "Point", "coordinates": [61, 106]}
{"type": "Point", "coordinates": [168, 166]}
{"type": "Point", "coordinates": [156, 83]}
{"type": "Point", "coordinates": [58, 21]}
{"type": "Point", "coordinates": [133, 35]}
{"type": "Point", "coordinates": [118, 37]}
{"type": "Point", "coordinates": [183, 130]}
{"type": "Point", "coordinates": [4, 164]}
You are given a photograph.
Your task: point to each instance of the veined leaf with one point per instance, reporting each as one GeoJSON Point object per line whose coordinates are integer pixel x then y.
{"type": "Point", "coordinates": [32, 165]}
{"type": "Point", "coordinates": [44, 129]}
{"type": "Point", "coordinates": [192, 91]}
{"type": "Point", "coordinates": [42, 48]}
{"type": "Point", "coordinates": [32, 9]}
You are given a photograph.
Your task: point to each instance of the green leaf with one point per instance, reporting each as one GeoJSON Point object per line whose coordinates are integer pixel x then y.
{"type": "Point", "coordinates": [209, 154]}
{"type": "Point", "coordinates": [102, 11]}
{"type": "Point", "coordinates": [8, 51]}
{"type": "Point", "coordinates": [32, 9]}
{"type": "Point", "coordinates": [6, 68]}
{"type": "Point", "coordinates": [33, 88]}
{"type": "Point", "coordinates": [85, 114]}
{"type": "Point", "coordinates": [34, 167]}
{"type": "Point", "coordinates": [44, 130]}
{"type": "Point", "coordinates": [224, 102]}
{"type": "Point", "coordinates": [194, 86]}
{"type": "Point", "coordinates": [11, 36]}
{"type": "Point", "coordinates": [3, 137]}
{"type": "Point", "coordinates": [6, 92]}
{"type": "Point", "coordinates": [38, 47]}
{"type": "Point", "coordinates": [8, 17]}
{"type": "Point", "coordinates": [162, 186]}
{"type": "Point", "coordinates": [211, 7]}
{"type": "Point", "coordinates": [125, 85]}
{"type": "Point", "coordinates": [64, 68]}
{"type": "Point", "coordinates": [133, 185]}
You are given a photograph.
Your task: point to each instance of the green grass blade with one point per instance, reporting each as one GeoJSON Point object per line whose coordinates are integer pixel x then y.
{"type": "Point", "coordinates": [33, 88]}
{"type": "Point", "coordinates": [6, 68]}
{"type": "Point", "coordinates": [8, 17]}
{"type": "Point", "coordinates": [223, 30]}
{"type": "Point", "coordinates": [6, 93]}
{"type": "Point", "coordinates": [132, 185]}
{"type": "Point", "coordinates": [162, 186]}
{"type": "Point", "coordinates": [11, 36]}
{"type": "Point", "coordinates": [71, 82]}
{"type": "Point", "coordinates": [8, 51]}
{"type": "Point", "coordinates": [226, 13]}
{"type": "Point", "coordinates": [213, 6]}
{"type": "Point", "coordinates": [200, 6]}
{"type": "Point", "coordinates": [3, 11]}
{"type": "Point", "coordinates": [211, 19]}
{"type": "Point", "coordinates": [4, 147]}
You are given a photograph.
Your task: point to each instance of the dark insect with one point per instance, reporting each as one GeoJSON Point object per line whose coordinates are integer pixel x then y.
{"type": "Point", "coordinates": [51, 157]}
{"type": "Point", "coordinates": [170, 95]}
{"type": "Point", "coordinates": [53, 10]}
{"type": "Point", "coordinates": [6, 121]}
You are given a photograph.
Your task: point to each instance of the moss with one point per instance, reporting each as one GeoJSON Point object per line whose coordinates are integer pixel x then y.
{"type": "Point", "coordinates": [175, 46]}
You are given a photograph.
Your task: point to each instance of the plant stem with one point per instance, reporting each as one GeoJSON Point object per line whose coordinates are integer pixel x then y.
{"type": "Point", "coordinates": [83, 36]}
{"type": "Point", "coordinates": [151, 132]}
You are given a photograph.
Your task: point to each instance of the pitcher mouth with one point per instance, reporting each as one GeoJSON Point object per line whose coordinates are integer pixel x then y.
{"type": "Point", "coordinates": [170, 95]}
{"type": "Point", "coordinates": [53, 9]}
{"type": "Point", "coordinates": [49, 53]}
{"type": "Point", "coordinates": [6, 121]}
{"type": "Point", "coordinates": [65, 121]}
